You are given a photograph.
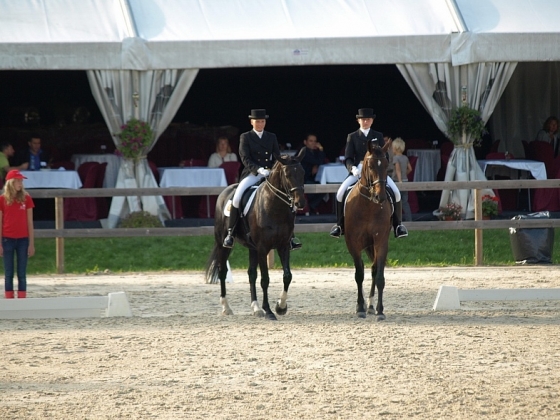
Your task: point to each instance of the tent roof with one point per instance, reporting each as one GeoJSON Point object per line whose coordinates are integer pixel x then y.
{"type": "Point", "coordinates": [505, 30]}
{"type": "Point", "coordinates": [161, 34]}
{"type": "Point", "coordinates": [98, 34]}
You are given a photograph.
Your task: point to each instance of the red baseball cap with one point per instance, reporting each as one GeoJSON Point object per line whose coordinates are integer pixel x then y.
{"type": "Point", "coordinates": [15, 174]}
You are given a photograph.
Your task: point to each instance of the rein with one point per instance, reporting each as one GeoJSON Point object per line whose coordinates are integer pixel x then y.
{"type": "Point", "coordinates": [285, 196]}
{"type": "Point", "coordinates": [369, 185]}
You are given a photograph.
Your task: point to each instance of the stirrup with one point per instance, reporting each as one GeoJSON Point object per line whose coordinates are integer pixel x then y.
{"type": "Point", "coordinates": [401, 231]}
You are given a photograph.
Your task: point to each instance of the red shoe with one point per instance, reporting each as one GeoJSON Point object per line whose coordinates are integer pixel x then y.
{"type": "Point", "coordinates": [9, 295]}
{"type": "Point", "coordinates": [21, 295]}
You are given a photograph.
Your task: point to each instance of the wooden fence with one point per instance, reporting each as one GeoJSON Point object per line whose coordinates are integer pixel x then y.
{"type": "Point", "coordinates": [477, 224]}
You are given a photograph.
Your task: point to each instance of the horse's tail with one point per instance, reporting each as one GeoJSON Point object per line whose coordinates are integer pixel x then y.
{"type": "Point", "coordinates": [212, 266]}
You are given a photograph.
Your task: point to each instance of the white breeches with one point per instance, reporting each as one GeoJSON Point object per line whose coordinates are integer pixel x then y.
{"type": "Point", "coordinates": [352, 180]}
{"type": "Point", "coordinates": [243, 185]}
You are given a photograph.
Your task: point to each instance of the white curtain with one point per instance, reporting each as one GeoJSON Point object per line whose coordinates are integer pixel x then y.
{"type": "Point", "coordinates": [151, 96]}
{"type": "Point", "coordinates": [441, 88]}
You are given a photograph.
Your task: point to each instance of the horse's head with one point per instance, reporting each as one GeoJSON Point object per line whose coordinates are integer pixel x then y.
{"type": "Point", "coordinates": [374, 172]}
{"type": "Point", "coordinates": [287, 176]}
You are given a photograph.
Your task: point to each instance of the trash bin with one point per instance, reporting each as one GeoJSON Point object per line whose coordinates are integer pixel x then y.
{"type": "Point", "coordinates": [532, 245]}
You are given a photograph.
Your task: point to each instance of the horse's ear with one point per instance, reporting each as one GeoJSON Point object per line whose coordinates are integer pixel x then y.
{"type": "Point", "coordinates": [281, 159]}
{"type": "Point", "coordinates": [301, 154]}
{"type": "Point", "coordinates": [387, 145]}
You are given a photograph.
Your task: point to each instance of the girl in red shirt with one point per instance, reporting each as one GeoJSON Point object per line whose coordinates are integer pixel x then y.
{"type": "Point", "coordinates": [16, 225]}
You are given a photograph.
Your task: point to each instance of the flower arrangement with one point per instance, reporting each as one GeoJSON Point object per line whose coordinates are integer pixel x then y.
{"type": "Point", "coordinates": [489, 205]}
{"type": "Point", "coordinates": [135, 136]}
{"type": "Point", "coordinates": [468, 120]}
{"type": "Point", "coordinates": [451, 211]}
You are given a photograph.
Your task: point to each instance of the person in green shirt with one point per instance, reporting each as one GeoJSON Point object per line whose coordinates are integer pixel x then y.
{"type": "Point", "coordinates": [6, 152]}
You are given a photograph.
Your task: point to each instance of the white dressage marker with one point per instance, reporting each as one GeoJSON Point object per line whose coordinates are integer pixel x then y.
{"type": "Point", "coordinates": [115, 304]}
{"type": "Point", "coordinates": [450, 297]}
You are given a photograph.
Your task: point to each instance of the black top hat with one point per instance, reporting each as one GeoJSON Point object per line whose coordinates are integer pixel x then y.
{"type": "Point", "coordinates": [365, 113]}
{"type": "Point", "coordinates": [258, 114]}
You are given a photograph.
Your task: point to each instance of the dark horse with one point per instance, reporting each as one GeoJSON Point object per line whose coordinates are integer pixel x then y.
{"type": "Point", "coordinates": [368, 224]}
{"type": "Point", "coordinates": [270, 222]}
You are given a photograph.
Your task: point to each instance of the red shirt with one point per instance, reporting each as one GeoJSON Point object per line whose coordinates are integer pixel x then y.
{"type": "Point", "coordinates": [14, 217]}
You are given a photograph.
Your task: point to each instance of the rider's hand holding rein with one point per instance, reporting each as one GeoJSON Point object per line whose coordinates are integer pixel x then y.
{"type": "Point", "coordinates": [264, 172]}
{"type": "Point", "coordinates": [356, 171]}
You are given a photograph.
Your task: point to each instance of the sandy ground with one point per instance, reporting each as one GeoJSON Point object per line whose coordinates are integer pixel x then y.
{"type": "Point", "coordinates": [177, 357]}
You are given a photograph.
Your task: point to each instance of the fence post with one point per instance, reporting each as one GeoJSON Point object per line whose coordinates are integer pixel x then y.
{"type": "Point", "coordinates": [478, 248]}
{"type": "Point", "coordinates": [59, 225]}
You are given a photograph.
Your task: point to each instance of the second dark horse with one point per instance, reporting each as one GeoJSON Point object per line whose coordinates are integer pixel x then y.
{"type": "Point", "coordinates": [268, 225]}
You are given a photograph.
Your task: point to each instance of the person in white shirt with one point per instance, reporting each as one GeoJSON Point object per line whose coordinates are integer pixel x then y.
{"type": "Point", "coordinates": [222, 154]}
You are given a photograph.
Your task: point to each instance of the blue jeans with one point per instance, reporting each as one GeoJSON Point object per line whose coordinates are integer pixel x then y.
{"type": "Point", "coordinates": [20, 246]}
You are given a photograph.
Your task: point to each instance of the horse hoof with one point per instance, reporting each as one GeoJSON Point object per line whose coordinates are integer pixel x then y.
{"type": "Point", "coordinates": [361, 314]}
{"type": "Point", "coordinates": [380, 317]}
{"type": "Point", "coordinates": [281, 311]}
{"type": "Point", "coordinates": [271, 317]}
{"type": "Point", "coordinates": [259, 314]}
{"type": "Point", "coordinates": [227, 312]}
{"type": "Point", "coordinates": [371, 311]}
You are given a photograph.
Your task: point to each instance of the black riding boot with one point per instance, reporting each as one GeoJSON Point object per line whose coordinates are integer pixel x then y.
{"type": "Point", "coordinates": [338, 229]}
{"type": "Point", "coordinates": [400, 230]}
{"type": "Point", "coordinates": [233, 216]}
{"type": "Point", "coordinates": [295, 243]}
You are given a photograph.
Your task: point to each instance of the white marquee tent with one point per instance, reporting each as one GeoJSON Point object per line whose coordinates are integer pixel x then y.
{"type": "Point", "coordinates": [142, 56]}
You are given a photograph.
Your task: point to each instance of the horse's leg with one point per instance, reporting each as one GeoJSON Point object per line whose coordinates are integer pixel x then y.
{"type": "Point", "coordinates": [252, 272]}
{"type": "Point", "coordinates": [265, 281]}
{"type": "Point", "coordinates": [359, 277]}
{"type": "Point", "coordinates": [282, 304]}
{"type": "Point", "coordinates": [221, 261]}
{"type": "Point", "coordinates": [371, 309]}
{"type": "Point", "coordinates": [379, 277]}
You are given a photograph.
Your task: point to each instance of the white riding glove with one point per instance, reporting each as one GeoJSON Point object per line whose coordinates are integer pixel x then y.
{"type": "Point", "coordinates": [264, 172]}
{"type": "Point", "coordinates": [356, 171]}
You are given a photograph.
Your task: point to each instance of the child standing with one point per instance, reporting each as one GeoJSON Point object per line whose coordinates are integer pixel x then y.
{"type": "Point", "coordinates": [16, 225]}
{"type": "Point", "coordinates": [400, 174]}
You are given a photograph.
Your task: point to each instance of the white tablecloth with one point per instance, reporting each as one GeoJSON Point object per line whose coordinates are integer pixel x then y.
{"type": "Point", "coordinates": [537, 169]}
{"type": "Point", "coordinates": [192, 176]}
{"type": "Point", "coordinates": [427, 165]}
{"type": "Point", "coordinates": [331, 173]}
{"type": "Point", "coordinates": [51, 178]}
{"type": "Point", "coordinates": [113, 165]}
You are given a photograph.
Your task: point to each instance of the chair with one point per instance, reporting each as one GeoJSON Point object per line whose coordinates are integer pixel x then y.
{"type": "Point", "coordinates": [412, 196]}
{"type": "Point", "coordinates": [232, 171]}
{"type": "Point", "coordinates": [173, 203]}
{"type": "Point", "coordinates": [84, 208]}
{"type": "Point", "coordinates": [544, 152]}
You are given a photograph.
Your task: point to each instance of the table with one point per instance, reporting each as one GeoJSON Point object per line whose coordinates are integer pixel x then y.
{"type": "Point", "coordinates": [192, 176]}
{"type": "Point", "coordinates": [536, 168]}
{"type": "Point", "coordinates": [113, 165]}
{"type": "Point", "coordinates": [331, 173]}
{"type": "Point", "coordinates": [51, 178]}
{"type": "Point", "coordinates": [427, 165]}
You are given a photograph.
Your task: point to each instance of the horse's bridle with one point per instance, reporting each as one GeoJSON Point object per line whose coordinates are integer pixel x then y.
{"type": "Point", "coordinates": [370, 185]}
{"type": "Point", "coordinates": [287, 195]}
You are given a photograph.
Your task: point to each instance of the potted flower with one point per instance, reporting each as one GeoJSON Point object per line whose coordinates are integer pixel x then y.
{"type": "Point", "coordinates": [136, 136]}
{"type": "Point", "coordinates": [452, 211]}
{"type": "Point", "coordinates": [489, 206]}
{"type": "Point", "coordinates": [467, 120]}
